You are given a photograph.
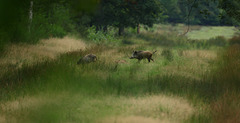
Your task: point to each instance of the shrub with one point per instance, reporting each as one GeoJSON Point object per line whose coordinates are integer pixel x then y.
{"type": "Point", "coordinates": [57, 31]}
{"type": "Point", "coordinates": [101, 37]}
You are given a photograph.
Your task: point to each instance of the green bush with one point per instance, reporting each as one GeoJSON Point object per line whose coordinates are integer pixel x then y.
{"type": "Point", "coordinates": [101, 37]}
{"type": "Point", "coordinates": [39, 28]}
{"type": "Point", "coordinates": [61, 17]}
{"type": "Point", "coordinates": [57, 31]}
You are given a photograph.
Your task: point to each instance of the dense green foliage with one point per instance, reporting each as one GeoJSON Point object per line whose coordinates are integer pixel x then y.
{"type": "Point", "coordinates": [127, 13]}
{"type": "Point", "coordinates": [57, 18]}
{"type": "Point", "coordinates": [202, 12]}
{"type": "Point", "coordinates": [231, 7]}
{"type": "Point", "coordinates": [100, 37]}
{"type": "Point", "coordinates": [53, 18]}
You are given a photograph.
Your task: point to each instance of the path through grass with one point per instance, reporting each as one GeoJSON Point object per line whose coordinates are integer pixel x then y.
{"type": "Point", "coordinates": [177, 87]}
{"type": "Point", "coordinates": [61, 91]}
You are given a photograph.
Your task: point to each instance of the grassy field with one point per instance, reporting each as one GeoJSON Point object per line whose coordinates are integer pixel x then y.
{"type": "Point", "coordinates": [197, 32]}
{"type": "Point", "coordinates": [190, 81]}
{"type": "Point", "coordinates": [212, 32]}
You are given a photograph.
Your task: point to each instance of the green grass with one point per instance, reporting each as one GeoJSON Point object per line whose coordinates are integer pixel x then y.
{"type": "Point", "coordinates": [91, 86]}
{"type": "Point", "coordinates": [196, 32]}
{"type": "Point", "coordinates": [180, 86]}
{"type": "Point", "coordinates": [211, 32]}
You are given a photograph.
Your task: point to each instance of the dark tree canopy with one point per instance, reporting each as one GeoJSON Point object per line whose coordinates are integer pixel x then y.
{"type": "Point", "coordinates": [127, 13]}
{"type": "Point", "coordinates": [231, 7]}
{"type": "Point", "coordinates": [58, 17]}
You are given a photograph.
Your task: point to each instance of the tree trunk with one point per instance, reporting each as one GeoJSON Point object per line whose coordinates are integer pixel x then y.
{"type": "Point", "coordinates": [98, 28]}
{"type": "Point", "coordinates": [138, 29]}
{"type": "Point", "coordinates": [121, 30]}
{"type": "Point", "coordinates": [105, 29]}
{"type": "Point", "coordinates": [30, 16]}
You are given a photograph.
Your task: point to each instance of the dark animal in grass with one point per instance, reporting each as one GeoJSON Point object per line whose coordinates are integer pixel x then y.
{"type": "Point", "coordinates": [87, 59]}
{"type": "Point", "coordinates": [142, 55]}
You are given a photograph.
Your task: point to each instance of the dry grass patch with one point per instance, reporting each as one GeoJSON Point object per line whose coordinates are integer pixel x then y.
{"type": "Point", "coordinates": [18, 54]}
{"type": "Point", "coordinates": [152, 109]}
{"type": "Point", "coordinates": [191, 64]}
{"type": "Point", "coordinates": [205, 54]}
{"type": "Point", "coordinates": [111, 55]}
{"type": "Point", "coordinates": [145, 109]}
{"type": "Point", "coordinates": [49, 48]}
{"type": "Point", "coordinates": [132, 119]}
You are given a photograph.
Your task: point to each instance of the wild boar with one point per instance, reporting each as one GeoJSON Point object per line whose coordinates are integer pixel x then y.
{"type": "Point", "coordinates": [88, 58]}
{"type": "Point", "coordinates": [142, 55]}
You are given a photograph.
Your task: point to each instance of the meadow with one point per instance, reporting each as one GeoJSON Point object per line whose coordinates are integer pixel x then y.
{"type": "Point", "coordinates": [191, 80]}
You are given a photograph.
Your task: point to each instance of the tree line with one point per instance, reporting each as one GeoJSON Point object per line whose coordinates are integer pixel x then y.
{"type": "Point", "coordinates": [202, 12]}
{"type": "Point", "coordinates": [57, 18]}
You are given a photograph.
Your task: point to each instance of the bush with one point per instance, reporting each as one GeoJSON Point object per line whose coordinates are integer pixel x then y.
{"type": "Point", "coordinates": [57, 31]}
{"type": "Point", "coordinates": [101, 37]}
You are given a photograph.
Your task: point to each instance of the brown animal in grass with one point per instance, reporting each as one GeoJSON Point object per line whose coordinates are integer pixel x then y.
{"type": "Point", "coordinates": [142, 55]}
{"type": "Point", "coordinates": [88, 58]}
{"type": "Point", "coordinates": [119, 62]}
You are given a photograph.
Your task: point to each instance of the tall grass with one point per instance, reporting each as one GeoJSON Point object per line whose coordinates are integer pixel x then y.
{"type": "Point", "coordinates": [186, 74]}
{"type": "Point", "coordinates": [227, 108]}
{"type": "Point", "coordinates": [227, 74]}
{"type": "Point", "coordinates": [65, 74]}
{"type": "Point", "coordinates": [234, 40]}
{"type": "Point", "coordinates": [228, 68]}
{"type": "Point", "coordinates": [171, 40]}
{"type": "Point", "coordinates": [98, 79]}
